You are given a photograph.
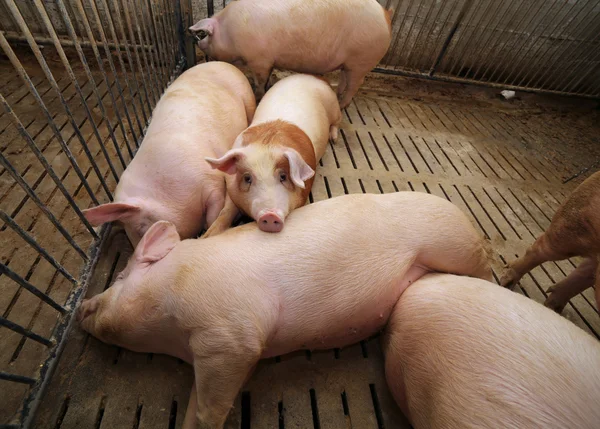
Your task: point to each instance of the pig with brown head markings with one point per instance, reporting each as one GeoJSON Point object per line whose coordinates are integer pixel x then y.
{"type": "Point", "coordinates": [271, 167]}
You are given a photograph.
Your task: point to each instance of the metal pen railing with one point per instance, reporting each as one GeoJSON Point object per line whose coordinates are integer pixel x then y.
{"type": "Point", "coordinates": [90, 74]}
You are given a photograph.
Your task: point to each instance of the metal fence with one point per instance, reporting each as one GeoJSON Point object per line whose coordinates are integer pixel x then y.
{"type": "Point", "coordinates": [78, 82]}
{"type": "Point", "coordinates": [539, 45]}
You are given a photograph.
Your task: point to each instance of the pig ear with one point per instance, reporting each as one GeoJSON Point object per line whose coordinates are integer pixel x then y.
{"type": "Point", "coordinates": [228, 162]}
{"type": "Point", "coordinates": [204, 25]}
{"type": "Point", "coordinates": [299, 169]}
{"type": "Point", "coordinates": [110, 212]}
{"type": "Point", "coordinates": [157, 242]}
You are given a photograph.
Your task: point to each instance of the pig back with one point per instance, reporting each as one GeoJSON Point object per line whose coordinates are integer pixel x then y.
{"type": "Point", "coordinates": [462, 352]}
{"type": "Point", "coordinates": [305, 101]}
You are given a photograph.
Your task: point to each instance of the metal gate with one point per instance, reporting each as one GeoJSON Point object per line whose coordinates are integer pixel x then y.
{"type": "Point", "coordinates": [539, 45]}
{"type": "Point", "coordinates": [78, 82]}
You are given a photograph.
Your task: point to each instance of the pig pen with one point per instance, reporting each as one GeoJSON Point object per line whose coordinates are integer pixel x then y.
{"type": "Point", "coordinates": [507, 164]}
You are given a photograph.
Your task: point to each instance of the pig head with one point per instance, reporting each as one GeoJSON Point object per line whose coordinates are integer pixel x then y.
{"type": "Point", "coordinates": [270, 172]}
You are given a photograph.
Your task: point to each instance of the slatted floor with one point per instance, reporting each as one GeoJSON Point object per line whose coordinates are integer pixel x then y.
{"type": "Point", "coordinates": [496, 166]}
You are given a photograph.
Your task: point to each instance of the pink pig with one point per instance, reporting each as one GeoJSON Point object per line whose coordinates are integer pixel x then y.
{"type": "Point", "coordinates": [329, 279]}
{"type": "Point", "coordinates": [317, 36]}
{"type": "Point", "coordinates": [199, 115]}
{"type": "Point", "coordinates": [270, 170]}
{"type": "Point", "coordinates": [465, 353]}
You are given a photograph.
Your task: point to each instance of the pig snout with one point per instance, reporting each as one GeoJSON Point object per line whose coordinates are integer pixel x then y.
{"type": "Point", "coordinates": [270, 221]}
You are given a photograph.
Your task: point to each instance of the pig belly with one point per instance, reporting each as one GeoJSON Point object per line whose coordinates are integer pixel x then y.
{"type": "Point", "coordinates": [335, 329]}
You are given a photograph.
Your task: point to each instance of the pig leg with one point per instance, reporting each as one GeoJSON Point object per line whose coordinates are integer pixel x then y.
{"type": "Point", "coordinates": [341, 84]}
{"type": "Point", "coordinates": [222, 362]}
{"type": "Point", "coordinates": [189, 422]}
{"type": "Point", "coordinates": [579, 280]}
{"type": "Point", "coordinates": [224, 219]}
{"type": "Point", "coordinates": [355, 79]}
{"type": "Point", "coordinates": [261, 78]}
{"type": "Point", "coordinates": [541, 251]}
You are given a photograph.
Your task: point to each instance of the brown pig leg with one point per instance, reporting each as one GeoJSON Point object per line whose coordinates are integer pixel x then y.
{"type": "Point", "coordinates": [576, 282]}
{"type": "Point", "coordinates": [540, 251]}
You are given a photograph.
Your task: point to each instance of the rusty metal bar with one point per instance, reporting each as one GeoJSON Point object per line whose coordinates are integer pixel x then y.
{"type": "Point", "coordinates": [111, 64]}
{"type": "Point", "coordinates": [17, 379]}
{"type": "Point", "coordinates": [25, 77]}
{"type": "Point", "coordinates": [42, 159]}
{"type": "Point", "coordinates": [457, 22]}
{"type": "Point", "coordinates": [67, 65]}
{"type": "Point", "coordinates": [31, 288]}
{"type": "Point", "coordinates": [169, 27]}
{"type": "Point", "coordinates": [143, 37]}
{"type": "Point", "coordinates": [155, 19]}
{"type": "Point", "coordinates": [505, 46]}
{"type": "Point", "coordinates": [117, 9]}
{"type": "Point", "coordinates": [149, 102]}
{"type": "Point", "coordinates": [158, 42]}
{"type": "Point", "coordinates": [392, 49]}
{"type": "Point", "coordinates": [47, 41]}
{"type": "Point", "coordinates": [30, 192]}
{"type": "Point", "coordinates": [33, 243]}
{"type": "Point", "coordinates": [90, 77]}
{"type": "Point", "coordinates": [418, 38]}
{"type": "Point", "coordinates": [432, 57]}
{"type": "Point", "coordinates": [154, 53]}
{"type": "Point", "coordinates": [537, 56]}
{"type": "Point", "coordinates": [477, 36]}
{"type": "Point", "coordinates": [113, 33]}
{"type": "Point", "coordinates": [461, 36]}
{"type": "Point", "coordinates": [594, 67]}
{"type": "Point", "coordinates": [412, 24]}
{"type": "Point", "coordinates": [504, 19]}
{"type": "Point", "coordinates": [27, 333]}
{"type": "Point", "coordinates": [186, 20]}
{"type": "Point", "coordinates": [565, 56]}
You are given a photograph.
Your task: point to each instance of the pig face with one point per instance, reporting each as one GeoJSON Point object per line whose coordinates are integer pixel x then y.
{"type": "Point", "coordinates": [267, 182]}
{"type": "Point", "coordinates": [203, 32]}
{"type": "Point", "coordinates": [132, 214]}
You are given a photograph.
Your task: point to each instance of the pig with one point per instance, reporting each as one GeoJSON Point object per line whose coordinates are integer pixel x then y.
{"type": "Point", "coordinates": [574, 231]}
{"type": "Point", "coordinates": [315, 37]}
{"type": "Point", "coordinates": [270, 169]}
{"type": "Point", "coordinates": [225, 302]}
{"type": "Point", "coordinates": [199, 115]}
{"type": "Point", "coordinates": [465, 353]}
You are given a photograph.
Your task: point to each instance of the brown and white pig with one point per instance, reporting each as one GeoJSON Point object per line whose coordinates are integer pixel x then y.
{"type": "Point", "coordinates": [317, 36]}
{"type": "Point", "coordinates": [574, 231]}
{"type": "Point", "coordinates": [199, 115]}
{"type": "Point", "coordinates": [270, 169]}
{"type": "Point", "coordinates": [223, 303]}
{"type": "Point", "coordinates": [465, 353]}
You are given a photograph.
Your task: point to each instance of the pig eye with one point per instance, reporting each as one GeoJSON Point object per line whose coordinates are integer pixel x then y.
{"type": "Point", "coordinates": [120, 276]}
{"type": "Point", "coordinates": [282, 177]}
{"type": "Point", "coordinates": [247, 179]}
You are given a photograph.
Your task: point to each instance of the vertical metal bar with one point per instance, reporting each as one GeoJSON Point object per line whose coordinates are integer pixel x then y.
{"type": "Point", "coordinates": [100, 62]}
{"type": "Point", "coordinates": [116, 75]}
{"type": "Point", "coordinates": [90, 77]}
{"type": "Point", "coordinates": [582, 76]}
{"type": "Point", "coordinates": [412, 24]}
{"type": "Point", "coordinates": [67, 65]}
{"type": "Point", "coordinates": [565, 58]}
{"type": "Point", "coordinates": [19, 179]}
{"type": "Point", "coordinates": [117, 9]}
{"type": "Point", "coordinates": [412, 51]}
{"type": "Point", "coordinates": [156, 20]}
{"type": "Point", "coordinates": [392, 50]}
{"type": "Point", "coordinates": [590, 88]}
{"type": "Point", "coordinates": [518, 57]}
{"type": "Point", "coordinates": [457, 51]}
{"type": "Point", "coordinates": [155, 51]}
{"type": "Point", "coordinates": [143, 36]}
{"type": "Point", "coordinates": [187, 20]}
{"type": "Point", "coordinates": [149, 102]}
{"type": "Point", "coordinates": [113, 33]}
{"type": "Point", "coordinates": [536, 56]}
{"type": "Point", "coordinates": [495, 36]}
{"type": "Point", "coordinates": [432, 55]}
{"type": "Point", "coordinates": [388, 55]}
{"type": "Point", "coordinates": [171, 29]}
{"type": "Point", "coordinates": [505, 48]}
{"type": "Point", "coordinates": [33, 243]}
{"type": "Point", "coordinates": [67, 151]}
{"type": "Point", "coordinates": [31, 143]}
{"type": "Point", "coordinates": [210, 8]}
{"type": "Point", "coordinates": [160, 58]}
{"type": "Point", "coordinates": [25, 332]}
{"type": "Point", "coordinates": [460, 17]}
{"type": "Point", "coordinates": [479, 37]}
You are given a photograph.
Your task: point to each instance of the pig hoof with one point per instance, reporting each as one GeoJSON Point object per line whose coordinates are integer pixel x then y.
{"type": "Point", "coordinates": [508, 278]}
{"type": "Point", "coordinates": [87, 307]}
{"type": "Point", "coordinates": [555, 304]}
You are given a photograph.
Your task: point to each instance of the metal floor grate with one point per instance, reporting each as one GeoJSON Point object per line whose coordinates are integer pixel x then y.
{"type": "Point", "coordinates": [487, 160]}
